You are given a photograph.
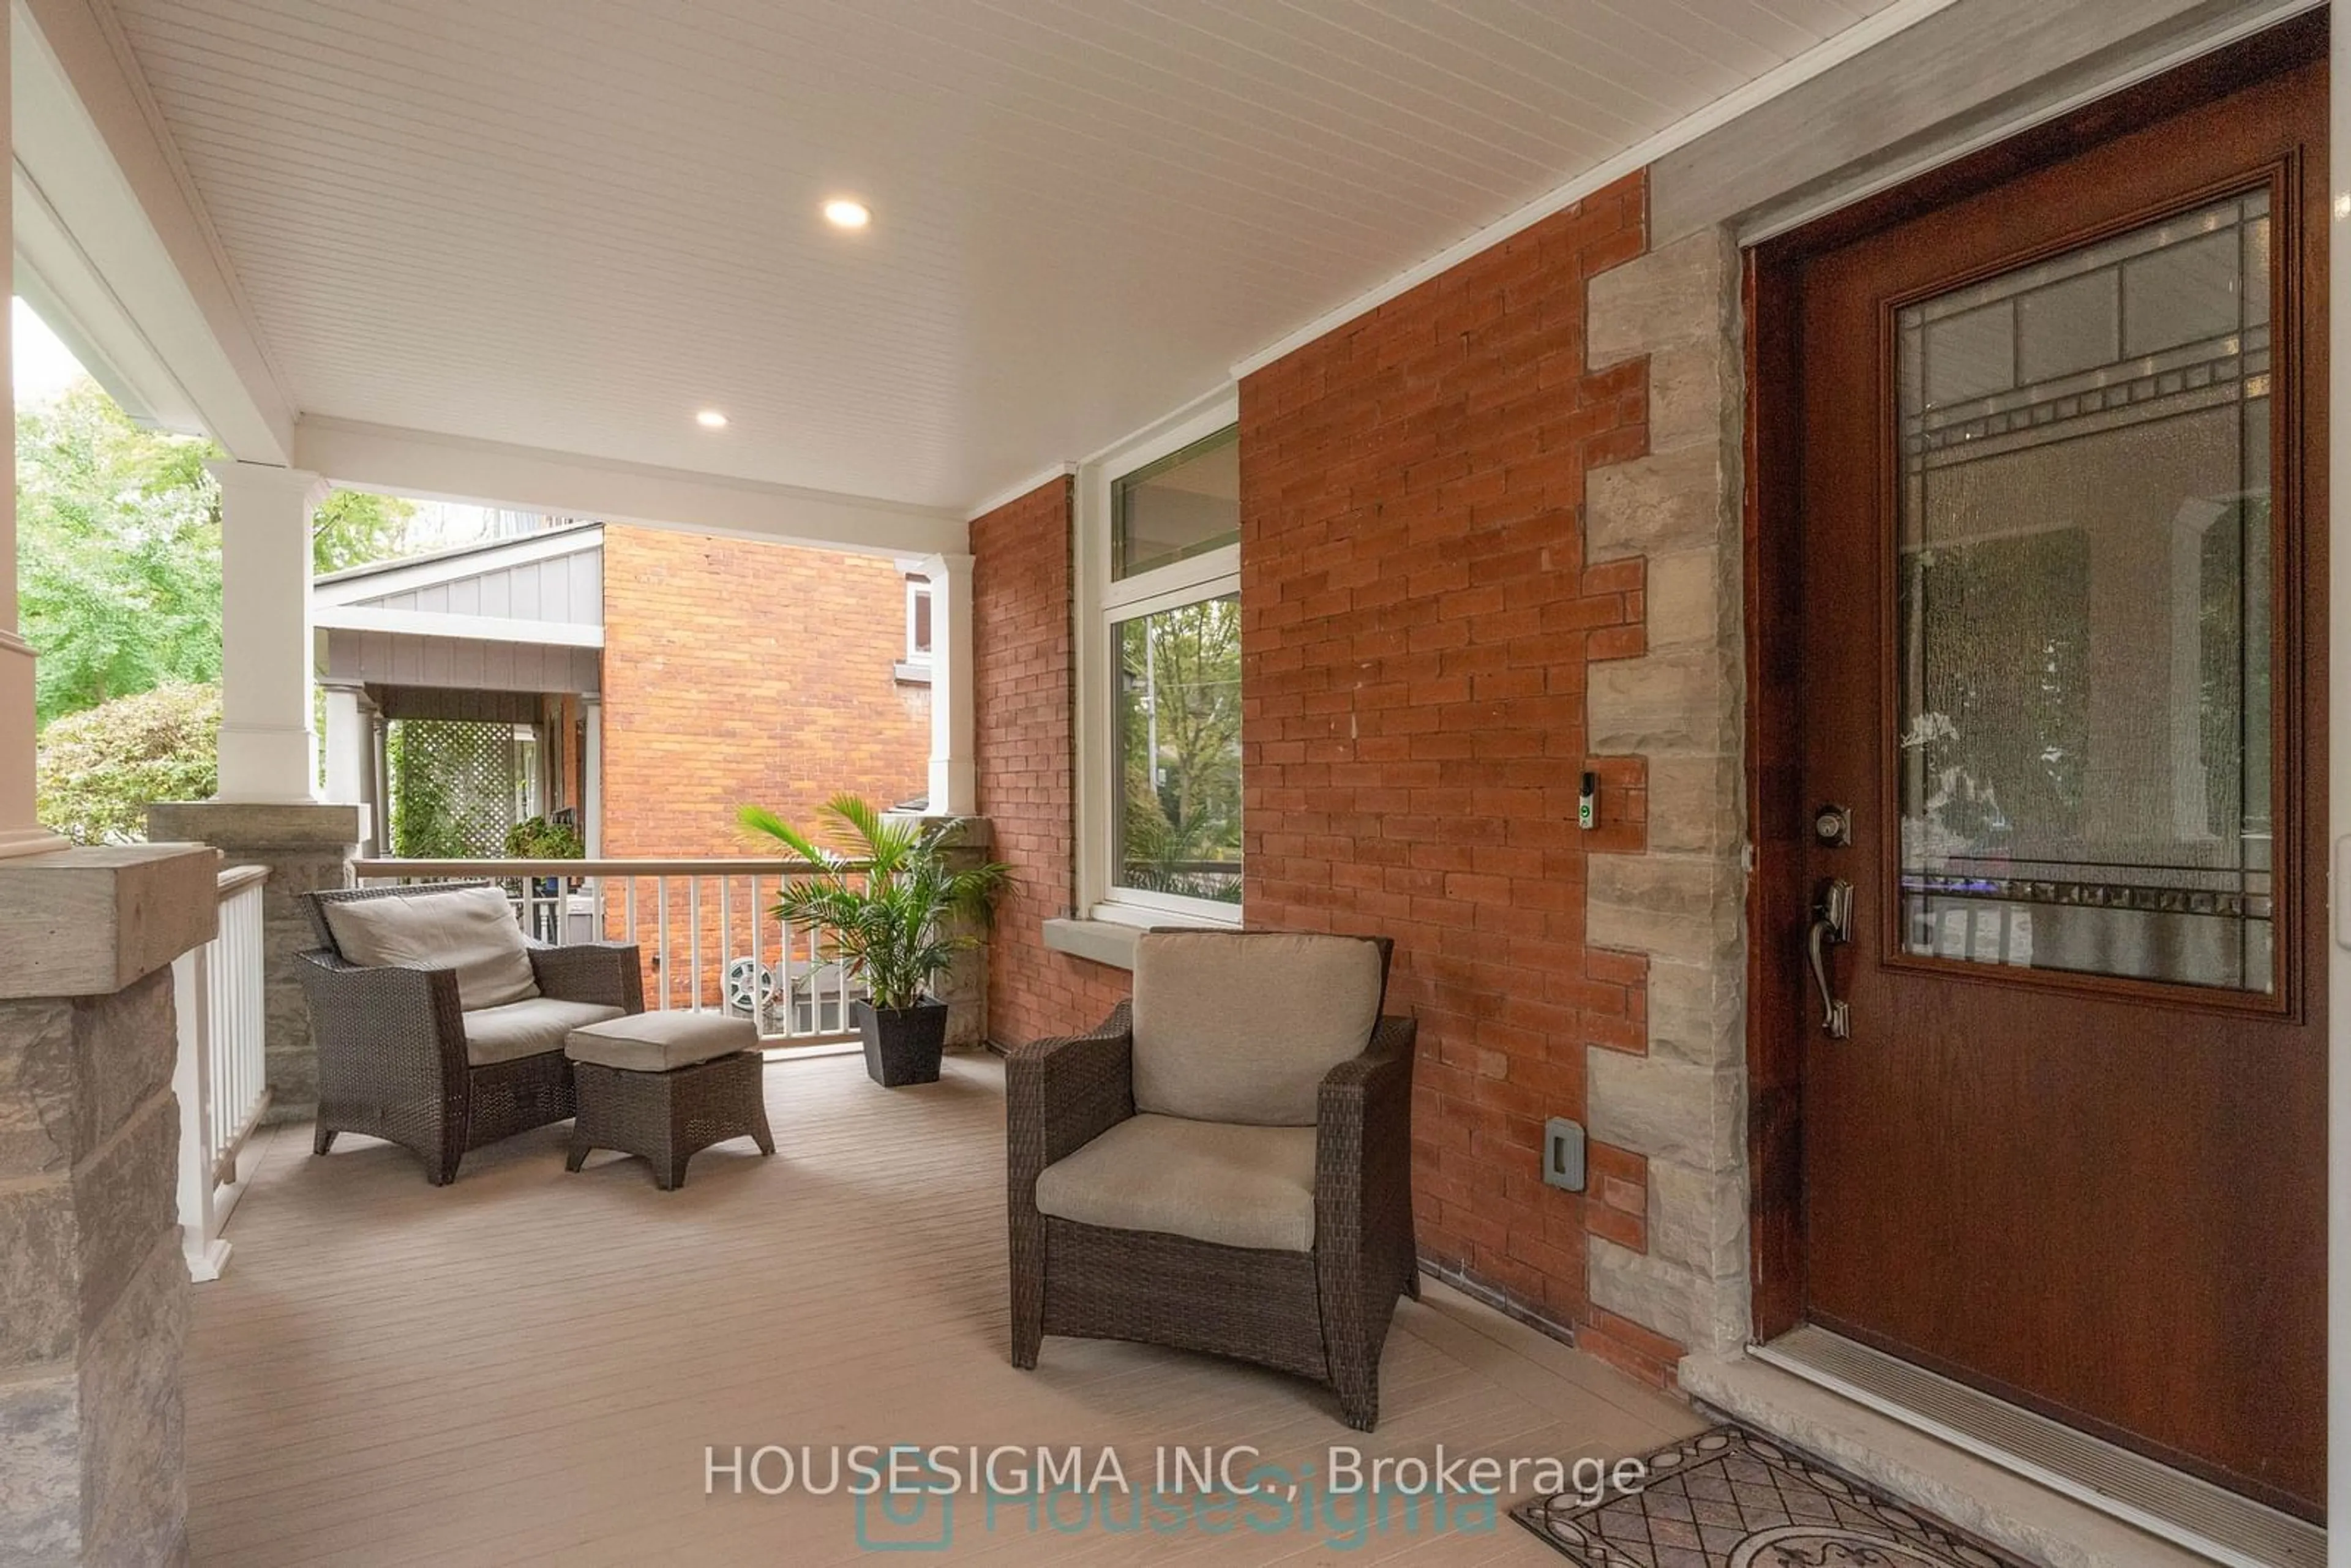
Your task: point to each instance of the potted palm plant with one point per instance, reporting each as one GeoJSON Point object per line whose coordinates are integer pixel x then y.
{"type": "Point", "coordinates": [884, 892]}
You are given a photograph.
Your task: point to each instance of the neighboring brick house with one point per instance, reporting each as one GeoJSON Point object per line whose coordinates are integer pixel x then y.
{"type": "Point", "coordinates": [658, 681]}
{"type": "Point", "coordinates": [740, 673]}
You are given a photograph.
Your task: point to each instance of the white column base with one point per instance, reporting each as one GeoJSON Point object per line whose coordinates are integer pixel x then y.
{"type": "Point", "coordinates": [36, 841]}
{"type": "Point", "coordinates": [21, 833]}
{"type": "Point", "coordinates": [955, 785]}
{"type": "Point", "coordinates": [954, 773]}
{"type": "Point", "coordinates": [259, 764]}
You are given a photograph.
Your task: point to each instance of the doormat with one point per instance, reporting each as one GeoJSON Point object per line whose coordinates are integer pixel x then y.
{"type": "Point", "coordinates": [1729, 1499]}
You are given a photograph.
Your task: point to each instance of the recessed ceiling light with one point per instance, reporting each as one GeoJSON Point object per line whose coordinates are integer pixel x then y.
{"type": "Point", "coordinates": [711, 419]}
{"type": "Point", "coordinates": [843, 214]}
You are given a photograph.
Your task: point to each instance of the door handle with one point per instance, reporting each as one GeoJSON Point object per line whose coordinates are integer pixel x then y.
{"type": "Point", "coordinates": [1831, 925]}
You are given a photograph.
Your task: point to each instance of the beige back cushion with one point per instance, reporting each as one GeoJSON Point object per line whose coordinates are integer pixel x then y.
{"type": "Point", "coordinates": [471, 930]}
{"type": "Point", "coordinates": [1241, 1026]}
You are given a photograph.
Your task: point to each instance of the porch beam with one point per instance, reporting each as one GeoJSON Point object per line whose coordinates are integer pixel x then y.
{"type": "Point", "coordinates": [427, 466]}
{"type": "Point", "coordinates": [122, 244]}
{"type": "Point", "coordinates": [347, 743]}
{"type": "Point", "coordinates": [592, 774]}
{"type": "Point", "coordinates": [954, 773]}
{"type": "Point", "coordinates": [269, 747]}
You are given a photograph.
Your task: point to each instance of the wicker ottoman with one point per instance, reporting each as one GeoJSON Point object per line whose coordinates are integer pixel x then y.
{"type": "Point", "coordinates": [666, 1085]}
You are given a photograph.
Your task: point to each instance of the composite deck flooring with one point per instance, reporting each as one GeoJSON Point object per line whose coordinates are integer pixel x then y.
{"type": "Point", "coordinates": [532, 1366]}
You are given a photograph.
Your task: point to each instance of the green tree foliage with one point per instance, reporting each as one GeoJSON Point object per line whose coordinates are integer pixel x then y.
{"type": "Point", "coordinates": [354, 528]}
{"type": "Point", "coordinates": [1180, 688]}
{"type": "Point", "coordinates": [118, 551]}
{"type": "Point", "coordinates": [425, 820]}
{"type": "Point", "coordinates": [100, 767]}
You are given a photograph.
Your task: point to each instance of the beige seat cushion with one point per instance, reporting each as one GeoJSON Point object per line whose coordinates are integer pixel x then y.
{"type": "Point", "coordinates": [1241, 1026]}
{"type": "Point", "coordinates": [1212, 1181]}
{"type": "Point", "coordinates": [527, 1028]}
{"type": "Point", "coordinates": [469, 929]}
{"type": "Point", "coordinates": [657, 1043]}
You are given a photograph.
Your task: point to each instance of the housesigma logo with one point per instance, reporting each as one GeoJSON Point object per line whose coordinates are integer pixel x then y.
{"type": "Point", "coordinates": [911, 1497]}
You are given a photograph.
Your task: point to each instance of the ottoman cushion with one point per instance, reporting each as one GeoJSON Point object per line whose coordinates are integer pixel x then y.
{"type": "Point", "coordinates": [661, 1041]}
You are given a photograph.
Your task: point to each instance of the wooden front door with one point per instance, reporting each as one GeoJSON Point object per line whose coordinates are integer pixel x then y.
{"type": "Point", "coordinates": [2059, 715]}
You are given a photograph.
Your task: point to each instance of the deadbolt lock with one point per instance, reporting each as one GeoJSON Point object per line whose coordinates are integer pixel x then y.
{"type": "Point", "coordinates": [1832, 826]}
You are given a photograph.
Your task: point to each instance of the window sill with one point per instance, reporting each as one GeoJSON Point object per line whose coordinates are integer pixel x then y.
{"type": "Point", "coordinates": [1112, 942]}
{"type": "Point", "coordinates": [912, 672]}
{"type": "Point", "coordinates": [1098, 941]}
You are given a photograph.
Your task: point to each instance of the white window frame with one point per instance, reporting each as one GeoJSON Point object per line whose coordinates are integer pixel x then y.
{"type": "Point", "coordinates": [1098, 605]}
{"type": "Point", "coordinates": [918, 593]}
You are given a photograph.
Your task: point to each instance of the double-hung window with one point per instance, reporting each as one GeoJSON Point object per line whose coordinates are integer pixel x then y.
{"type": "Point", "coordinates": [1159, 676]}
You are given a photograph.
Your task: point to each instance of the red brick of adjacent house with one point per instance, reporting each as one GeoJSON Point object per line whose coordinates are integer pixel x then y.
{"type": "Point", "coordinates": [739, 673]}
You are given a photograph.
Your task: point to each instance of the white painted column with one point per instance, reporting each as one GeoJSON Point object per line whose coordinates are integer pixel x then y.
{"type": "Point", "coordinates": [268, 751]}
{"type": "Point", "coordinates": [591, 773]}
{"type": "Point", "coordinates": [2338, 700]}
{"type": "Point", "coordinates": [955, 771]}
{"type": "Point", "coordinates": [379, 782]}
{"type": "Point", "coordinates": [20, 827]}
{"type": "Point", "coordinates": [347, 763]}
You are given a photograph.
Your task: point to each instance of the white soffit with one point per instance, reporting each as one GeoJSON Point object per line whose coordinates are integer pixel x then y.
{"type": "Point", "coordinates": [570, 228]}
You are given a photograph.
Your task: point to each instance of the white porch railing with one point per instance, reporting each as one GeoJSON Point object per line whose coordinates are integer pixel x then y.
{"type": "Point", "coordinates": [706, 929]}
{"type": "Point", "coordinates": [220, 1075]}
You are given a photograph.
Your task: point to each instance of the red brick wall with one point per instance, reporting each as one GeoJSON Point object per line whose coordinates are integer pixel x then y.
{"type": "Point", "coordinates": [1023, 683]}
{"type": "Point", "coordinates": [737, 673]}
{"type": "Point", "coordinates": [1416, 622]}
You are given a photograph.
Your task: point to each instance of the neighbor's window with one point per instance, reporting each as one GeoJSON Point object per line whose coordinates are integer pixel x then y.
{"type": "Point", "coordinates": [1161, 752]}
{"type": "Point", "coordinates": [918, 619]}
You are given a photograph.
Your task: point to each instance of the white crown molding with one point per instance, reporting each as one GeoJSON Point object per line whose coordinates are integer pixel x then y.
{"type": "Point", "coordinates": [1824, 55]}
{"type": "Point", "coordinates": [1011, 492]}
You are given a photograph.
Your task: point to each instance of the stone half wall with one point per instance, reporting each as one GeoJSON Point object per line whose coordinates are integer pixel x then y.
{"type": "Point", "coordinates": [1024, 704]}
{"type": "Point", "coordinates": [1675, 1093]}
{"type": "Point", "coordinates": [94, 1293]}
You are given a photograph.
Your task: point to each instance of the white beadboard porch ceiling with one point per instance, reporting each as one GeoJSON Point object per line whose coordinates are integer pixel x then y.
{"type": "Point", "coordinates": [571, 226]}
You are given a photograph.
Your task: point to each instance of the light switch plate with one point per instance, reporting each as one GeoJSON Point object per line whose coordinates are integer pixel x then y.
{"type": "Point", "coordinates": [1562, 1154]}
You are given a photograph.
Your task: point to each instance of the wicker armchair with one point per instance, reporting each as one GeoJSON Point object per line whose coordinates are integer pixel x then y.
{"type": "Point", "coordinates": [1277, 1228]}
{"type": "Point", "coordinates": [402, 1058]}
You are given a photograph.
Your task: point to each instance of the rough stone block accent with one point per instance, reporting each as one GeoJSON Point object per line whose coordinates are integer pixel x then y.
{"type": "Point", "coordinates": [1668, 703]}
{"type": "Point", "coordinates": [37, 1088]}
{"type": "Point", "coordinates": [1667, 1110]}
{"type": "Point", "coordinates": [1665, 501]}
{"type": "Point", "coordinates": [93, 1301]}
{"type": "Point", "coordinates": [1671, 907]}
{"type": "Point", "coordinates": [88, 920]}
{"type": "Point", "coordinates": [1678, 903]}
{"type": "Point", "coordinates": [40, 1467]}
{"type": "Point", "coordinates": [133, 1422]}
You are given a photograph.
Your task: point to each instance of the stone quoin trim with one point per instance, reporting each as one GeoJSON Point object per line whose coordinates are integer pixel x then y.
{"type": "Point", "coordinates": [1678, 1096]}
